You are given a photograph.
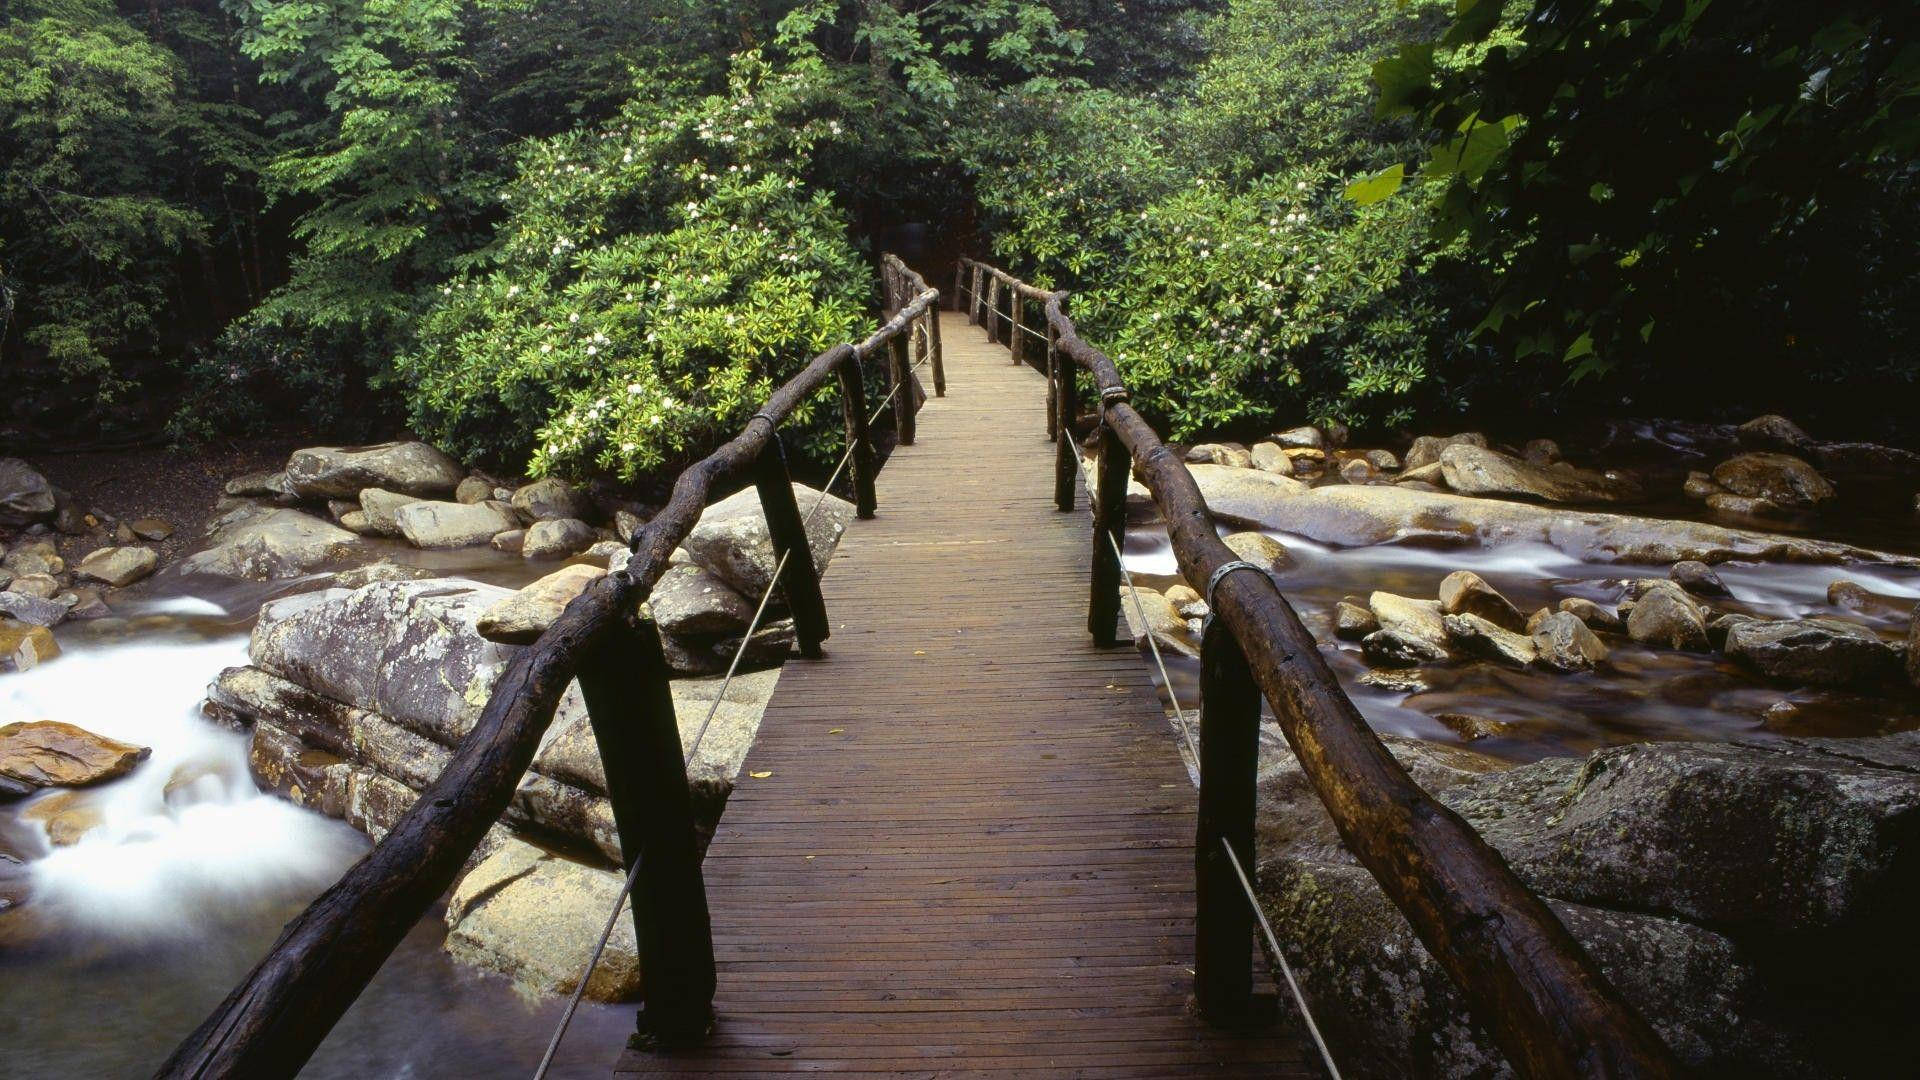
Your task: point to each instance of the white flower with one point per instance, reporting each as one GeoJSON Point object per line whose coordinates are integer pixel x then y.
{"type": "Point", "coordinates": [633, 388]}
{"type": "Point", "coordinates": [574, 318]}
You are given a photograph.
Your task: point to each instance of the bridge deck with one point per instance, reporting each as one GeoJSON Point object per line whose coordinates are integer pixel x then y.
{"type": "Point", "coordinates": [973, 853]}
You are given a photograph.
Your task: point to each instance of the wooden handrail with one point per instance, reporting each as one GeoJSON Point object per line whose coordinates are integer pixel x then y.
{"type": "Point", "coordinates": [1524, 977]}
{"type": "Point", "coordinates": [271, 1023]}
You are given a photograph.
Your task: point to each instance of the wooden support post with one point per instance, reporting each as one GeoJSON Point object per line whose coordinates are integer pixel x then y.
{"type": "Point", "coordinates": [902, 389]}
{"type": "Point", "coordinates": [993, 310]}
{"type": "Point", "coordinates": [978, 307]}
{"type": "Point", "coordinates": [939, 358]}
{"type": "Point", "coordinates": [1229, 757]}
{"type": "Point", "coordinates": [1016, 328]}
{"type": "Point", "coordinates": [959, 279]}
{"type": "Point", "coordinates": [853, 405]}
{"type": "Point", "coordinates": [624, 679]}
{"type": "Point", "coordinates": [788, 532]}
{"type": "Point", "coordinates": [1066, 461]}
{"type": "Point", "coordinates": [1109, 524]}
{"type": "Point", "coordinates": [1053, 389]}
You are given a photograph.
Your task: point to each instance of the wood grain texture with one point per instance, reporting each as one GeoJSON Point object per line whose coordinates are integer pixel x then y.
{"type": "Point", "coordinates": [972, 853]}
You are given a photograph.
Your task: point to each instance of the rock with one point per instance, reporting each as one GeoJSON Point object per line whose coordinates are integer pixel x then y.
{"type": "Point", "coordinates": [1593, 615]}
{"type": "Point", "coordinates": [769, 647]}
{"type": "Point", "coordinates": [625, 524]}
{"type": "Point", "coordinates": [1699, 485]}
{"type": "Point", "coordinates": [1306, 459]}
{"type": "Point", "coordinates": [731, 540]}
{"type": "Point", "coordinates": [1232, 455]}
{"type": "Point", "coordinates": [341, 472]}
{"type": "Point", "coordinates": [1853, 596]}
{"type": "Point", "coordinates": [35, 586]}
{"type": "Point", "coordinates": [357, 523]}
{"type": "Point", "coordinates": [1472, 728]}
{"type": "Point", "coordinates": [473, 489]}
{"type": "Point", "coordinates": [1913, 649]}
{"type": "Point", "coordinates": [1540, 453]}
{"type": "Point", "coordinates": [48, 753]}
{"type": "Point", "coordinates": [1476, 470]}
{"type": "Point", "coordinates": [27, 560]}
{"type": "Point", "coordinates": [25, 495]}
{"type": "Point", "coordinates": [118, 566]}
{"type": "Point", "coordinates": [691, 602]}
{"type": "Point", "coordinates": [66, 817]}
{"type": "Point", "coordinates": [1476, 636]}
{"type": "Point", "coordinates": [510, 541]}
{"type": "Point", "coordinates": [1780, 479]}
{"type": "Point", "coordinates": [1397, 648]}
{"type": "Point", "coordinates": [603, 551]}
{"type": "Point", "coordinates": [382, 508]}
{"type": "Point", "coordinates": [1187, 601]}
{"type": "Point", "coordinates": [1718, 629]}
{"type": "Point", "coordinates": [1772, 432]}
{"type": "Point", "coordinates": [1268, 457]}
{"type": "Point", "coordinates": [259, 485]}
{"type": "Point", "coordinates": [1427, 448]}
{"type": "Point", "coordinates": [1667, 617]}
{"type": "Point", "coordinates": [1420, 620]}
{"type": "Point", "coordinates": [1247, 497]}
{"type": "Point", "coordinates": [1351, 622]}
{"type": "Point", "coordinates": [1384, 460]}
{"type": "Point", "coordinates": [1301, 438]}
{"type": "Point", "coordinates": [1165, 623]}
{"type": "Point", "coordinates": [23, 646]}
{"type": "Point", "coordinates": [1563, 642]}
{"type": "Point", "coordinates": [524, 616]}
{"type": "Point", "coordinates": [1425, 474]}
{"type": "Point", "coordinates": [535, 917]}
{"type": "Point", "coordinates": [1698, 578]}
{"type": "Point", "coordinates": [453, 525]}
{"type": "Point", "coordinates": [32, 610]}
{"type": "Point", "coordinates": [1261, 550]}
{"type": "Point", "coordinates": [340, 508]}
{"type": "Point", "coordinates": [1464, 592]}
{"type": "Point", "coordinates": [151, 528]}
{"type": "Point", "coordinates": [1812, 652]}
{"type": "Point", "coordinates": [1356, 471]}
{"type": "Point", "coordinates": [1727, 502]}
{"type": "Point", "coordinates": [88, 604]}
{"type": "Point", "coordinates": [271, 544]}
{"type": "Point", "coordinates": [556, 538]}
{"type": "Point", "coordinates": [550, 499]}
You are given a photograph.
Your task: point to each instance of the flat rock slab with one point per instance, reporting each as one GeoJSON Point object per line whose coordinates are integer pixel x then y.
{"type": "Point", "coordinates": [48, 753]}
{"type": "Point", "coordinates": [340, 472]}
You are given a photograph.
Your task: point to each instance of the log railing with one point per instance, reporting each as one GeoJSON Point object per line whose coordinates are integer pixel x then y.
{"type": "Point", "coordinates": [271, 1023]}
{"type": "Point", "coordinates": [1523, 976]}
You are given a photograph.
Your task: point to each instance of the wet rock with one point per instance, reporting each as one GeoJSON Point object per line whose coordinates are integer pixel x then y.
{"type": "Point", "coordinates": [355, 522]}
{"type": "Point", "coordinates": [1399, 680]}
{"type": "Point", "coordinates": [32, 610]}
{"type": "Point", "coordinates": [1698, 578]}
{"type": "Point", "coordinates": [1351, 622]}
{"type": "Point", "coordinates": [1247, 497]}
{"type": "Point", "coordinates": [1913, 650]}
{"type": "Point", "coordinates": [384, 570]}
{"type": "Point", "coordinates": [1269, 457]}
{"type": "Point", "coordinates": [1464, 592]}
{"type": "Point", "coordinates": [769, 647]}
{"type": "Point", "coordinates": [382, 508]}
{"type": "Point", "coordinates": [1476, 636]}
{"type": "Point", "coordinates": [1232, 455]}
{"type": "Point", "coordinates": [340, 508]}
{"type": "Point", "coordinates": [1473, 728]}
{"type": "Point", "coordinates": [1397, 648]}
{"type": "Point", "coordinates": [25, 495]}
{"type": "Point", "coordinates": [536, 917]}
{"type": "Point", "coordinates": [521, 618]}
{"type": "Point", "coordinates": [1812, 652]}
{"type": "Point", "coordinates": [1700, 486]}
{"type": "Point", "coordinates": [1426, 449]}
{"type": "Point", "coordinates": [341, 472]}
{"type": "Point", "coordinates": [66, 816]}
{"type": "Point", "coordinates": [1261, 550]}
{"type": "Point", "coordinates": [258, 485]}
{"type": "Point", "coordinates": [550, 499]}
{"type": "Point", "coordinates": [35, 586]}
{"type": "Point", "coordinates": [1356, 471]}
{"type": "Point", "coordinates": [88, 604]}
{"type": "Point", "coordinates": [690, 602]}
{"type": "Point", "coordinates": [1719, 628]}
{"type": "Point", "coordinates": [1667, 617]}
{"type": "Point", "coordinates": [48, 753]}
{"type": "Point", "coordinates": [510, 541]}
{"type": "Point", "coordinates": [603, 551]}
{"type": "Point", "coordinates": [23, 646]}
{"type": "Point", "coordinates": [556, 538]}
{"type": "Point", "coordinates": [1383, 460]}
{"type": "Point", "coordinates": [31, 558]}
{"type": "Point", "coordinates": [271, 544]}
{"type": "Point", "coordinates": [1475, 470]}
{"type": "Point", "coordinates": [453, 525]}
{"type": "Point", "coordinates": [1541, 452]}
{"type": "Point", "coordinates": [118, 566]}
{"type": "Point", "coordinates": [1780, 479]}
{"type": "Point", "coordinates": [1302, 438]}
{"type": "Point", "coordinates": [1773, 432]}
{"type": "Point", "coordinates": [625, 524]}
{"type": "Point", "coordinates": [1726, 502]}
{"type": "Point", "coordinates": [1426, 474]}
{"type": "Point", "coordinates": [1163, 621]}
{"type": "Point", "coordinates": [1420, 620]}
{"type": "Point", "coordinates": [731, 537]}
{"type": "Point", "coordinates": [1183, 596]}
{"type": "Point", "coordinates": [151, 528]}
{"type": "Point", "coordinates": [474, 489]}
{"type": "Point", "coordinates": [1564, 643]}
{"type": "Point", "coordinates": [1306, 461]}
{"type": "Point", "coordinates": [1593, 615]}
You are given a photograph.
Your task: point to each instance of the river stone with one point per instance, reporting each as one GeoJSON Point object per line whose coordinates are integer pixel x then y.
{"type": "Point", "coordinates": [1301, 438]}
{"type": "Point", "coordinates": [1476, 470]}
{"type": "Point", "coordinates": [1397, 648]}
{"type": "Point", "coordinates": [1698, 578]}
{"type": "Point", "coordinates": [556, 538]}
{"type": "Point", "coordinates": [32, 610]}
{"type": "Point", "coordinates": [1472, 727]}
{"type": "Point", "coordinates": [1464, 592]}
{"type": "Point", "coordinates": [1780, 479]}
{"type": "Point", "coordinates": [341, 472]}
{"type": "Point", "coordinates": [691, 602]}
{"type": "Point", "coordinates": [1351, 622]}
{"type": "Point", "coordinates": [536, 917]}
{"type": "Point", "coordinates": [1812, 652]}
{"type": "Point", "coordinates": [552, 498]}
{"type": "Point", "coordinates": [521, 618]}
{"type": "Point", "coordinates": [1541, 452]}
{"type": "Point", "coordinates": [270, 544]}
{"type": "Point", "coordinates": [35, 586]}
{"type": "Point", "coordinates": [86, 603]}
{"type": "Point", "coordinates": [473, 489]}
{"type": "Point", "coordinates": [382, 508]}
{"type": "Point", "coordinates": [625, 524]}
{"type": "Point", "coordinates": [509, 541]}
{"type": "Point", "coordinates": [1243, 496]}
{"type": "Point", "coordinates": [1699, 485]}
{"type": "Point", "coordinates": [1187, 601]}
{"type": "Point", "coordinates": [118, 566]}
{"type": "Point", "coordinates": [1383, 460]}
{"type": "Point", "coordinates": [151, 528]}
{"type": "Point", "coordinates": [1419, 619]}
{"type": "Point", "coordinates": [731, 539]}
{"type": "Point", "coordinates": [25, 495]}
{"type": "Point", "coordinates": [383, 570]}
{"type": "Point", "coordinates": [28, 560]}
{"type": "Point", "coordinates": [1426, 449]}
{"type": "Point", "coordinates": [1774, 432]}
{"type": "Point", "coordinates": [66, 817]}
{"type": "Point", "coordinates": [24, 646]}
{"type": "Point", "coordinates": [1564, 643]}
{"type": "Point", "coordinates": [453, 525]}
{"type": "Point", "coordinates": [48, 753]}
{"type": "Point", "coordinates": [1261, 550]}
{"type": "Point", "coordinates": [258, 485]}
{"type": "Point", "coordinates": [1667, 617]}
{"type": "Point", "coordinates": [1268, 457]}
{"type": "Point", "coordinates": [1163, 621]}
{"type": "Point", "coordinates": [1476, 636]}
{"type": "Point", "coordinates": [1232, 455]}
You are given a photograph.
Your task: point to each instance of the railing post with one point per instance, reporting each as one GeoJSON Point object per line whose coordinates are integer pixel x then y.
{"type": "Point", "coordinates": [788, 532]}
{"type": "Point", "coordinates": [1016, 333]}
{"type": "Point", "coordinates": [624, 679]}
{"type": "Point", "coordinates": [1066, 461]}
{"type": "Point", "coordinates": [939, 358]}
{"type": "Point", "coordinates": [902, 389]}
{"type": "Point", "coordinates": [977, 300]}
{"type": "Point", "coordinates": [1053, 383]}
{"type": "Point", "coordinates": [853, 405]}
{"type": "Point", "coordinates": [993, 309]}
{"type": "Point", "coordinates": [1229, 758]}
{"type": "Point", "coordinates": [959, 279]}
{"type": "Point", "coordinates": [1109, 524]}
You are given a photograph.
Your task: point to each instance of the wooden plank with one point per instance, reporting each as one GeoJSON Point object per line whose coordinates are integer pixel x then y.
{"type": "Point", "coordinates": [974, 853]}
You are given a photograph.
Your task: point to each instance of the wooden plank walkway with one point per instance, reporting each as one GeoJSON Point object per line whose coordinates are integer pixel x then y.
{"type": "Point", "coordinates": [973, 850]}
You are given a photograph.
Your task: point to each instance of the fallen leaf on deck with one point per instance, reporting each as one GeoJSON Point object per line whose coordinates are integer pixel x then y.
{"type": "Point", "coordinates": [761, 775]}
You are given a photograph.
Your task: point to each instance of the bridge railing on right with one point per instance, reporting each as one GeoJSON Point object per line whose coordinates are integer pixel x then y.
{"type": "Point", "coordinates": [1524, 977]}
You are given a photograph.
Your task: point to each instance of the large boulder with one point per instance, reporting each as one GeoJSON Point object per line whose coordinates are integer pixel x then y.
{"type": "Point", "coordinates": [1813, 652]}
{"type": "Point", "coordinates": [1420, 620]}
{"type": "Point", "coordinates": [1475, 636]}
{"type": "Point", "coordinates": [48, 753]}
{"type": "Point", "coordinates": [1464, 592]}
{"type": "Point", "coordinates": [1564, 642]}
{"type": "Point", "coordinates": [340, 472]}
{"type": "Point", "coordinates": [731, 538]}
{"type": "Point", "coordinates": [556, 538]}
{"type": "Point", "coordinates": [272, 544]}
{"type": "Point", "coordinates": [118, 566]}
{"type": "Point", "coordinates": [552, 498]}
{"type": "Point", "coordinates": [1782, 480]}
{"type": "Point", "coordinates": [1163, 621]}
{"type": "Point", "coordinates": [25, 495]}
{"type": "Point", "coordinates": [1476, 470]}
{"type": "Point", "coordinates": [1261, 550]}
{"type": "Point", "coordinates": [536, 917]}
{"type": "Point", "coordinates": [1426, 449]}
{"type": "Point", "coordinates": [689, 602]}
{"type": "Point", "coordinates": [1667, 617]}
{"type": "Point", "coordinates": [452, 524]}
{"type": "Point", "coordinates": [1243, 496]}
{"type": "Point", "coordinates": [32, 610]}
{"type": "Point", "coordinates": [382, 510]}
{"type": "Point", "coordinates": [1774, 432]}
{"type": "Point", "coordinates": [521, 618]}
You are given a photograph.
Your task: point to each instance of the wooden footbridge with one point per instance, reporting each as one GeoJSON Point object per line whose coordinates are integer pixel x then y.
{"type": "Point", "coordinates": [964, 842]}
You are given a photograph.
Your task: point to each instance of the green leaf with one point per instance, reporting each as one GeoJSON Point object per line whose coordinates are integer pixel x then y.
{"type": "Point", "coordinates": [1381, 185]}
{"type": "Point", "coordinates": [1404, 79]}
